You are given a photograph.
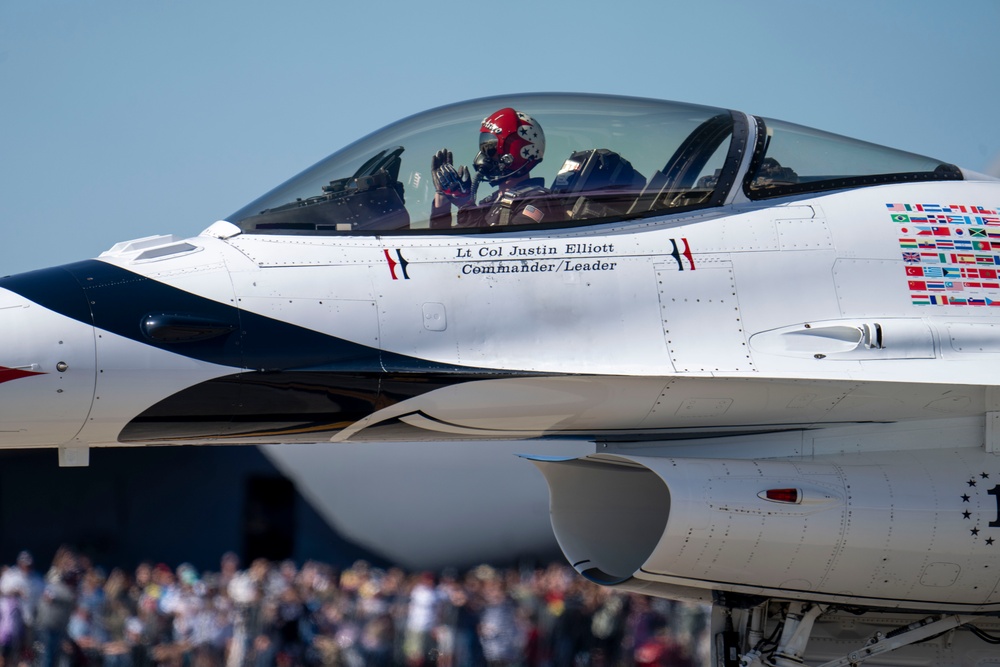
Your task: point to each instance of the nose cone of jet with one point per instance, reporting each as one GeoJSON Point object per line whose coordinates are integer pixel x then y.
{"type": "Point", "coordinates": [47, 371]}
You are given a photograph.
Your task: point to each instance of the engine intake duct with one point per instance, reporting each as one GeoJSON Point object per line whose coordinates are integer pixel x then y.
{"type": "Point", "coordinates": [918, 530]}
{"type": "Point", "coordinates": [607, 516]}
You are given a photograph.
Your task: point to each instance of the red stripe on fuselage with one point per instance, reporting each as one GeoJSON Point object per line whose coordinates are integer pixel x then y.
{"type": "Point", "coordinates": [8, 374]}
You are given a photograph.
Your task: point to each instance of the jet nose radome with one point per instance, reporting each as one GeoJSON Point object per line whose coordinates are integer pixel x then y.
{"type": "Point", "coordinates": [47, 369]}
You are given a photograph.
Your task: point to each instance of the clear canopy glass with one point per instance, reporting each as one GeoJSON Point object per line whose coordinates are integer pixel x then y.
{"type": "Point", "coordinates": [797, 159]}
{"type": "Point", "coordinates": [605, 158]}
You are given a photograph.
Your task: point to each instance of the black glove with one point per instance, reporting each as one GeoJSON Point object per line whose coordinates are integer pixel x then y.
{"type": "Point", "coordinates": [455, 184]}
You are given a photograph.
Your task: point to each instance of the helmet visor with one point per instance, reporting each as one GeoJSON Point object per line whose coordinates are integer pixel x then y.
{"type": "Point", "coordinates": [488, 143]}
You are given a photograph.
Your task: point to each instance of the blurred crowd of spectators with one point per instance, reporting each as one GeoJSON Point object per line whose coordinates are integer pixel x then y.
{"type": "Point", "coordinates": [284, 615]}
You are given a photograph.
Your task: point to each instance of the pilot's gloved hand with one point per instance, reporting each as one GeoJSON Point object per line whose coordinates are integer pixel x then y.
{"type": "Point", "coordinates": [455, 184]}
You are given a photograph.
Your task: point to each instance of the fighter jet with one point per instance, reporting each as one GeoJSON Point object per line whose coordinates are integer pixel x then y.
{"type": "Point", "coordinates": [781, 343]}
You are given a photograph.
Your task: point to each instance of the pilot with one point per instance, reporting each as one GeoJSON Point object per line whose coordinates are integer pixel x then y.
{"type": "Point", "coordinates": [511, 143]}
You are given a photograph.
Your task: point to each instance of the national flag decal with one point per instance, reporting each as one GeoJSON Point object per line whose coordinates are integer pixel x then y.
{"type": "Point", "coordinates": [533, 213]}
{"type": "Point", "coordinates": [947, 248]}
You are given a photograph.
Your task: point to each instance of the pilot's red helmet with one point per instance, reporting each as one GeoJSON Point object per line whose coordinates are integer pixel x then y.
{"type": "Point", "coordinates": [510, 143]}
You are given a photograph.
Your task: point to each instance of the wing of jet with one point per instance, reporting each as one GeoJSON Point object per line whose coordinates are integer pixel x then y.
{"type": "Point", "coordinates": [782, 343]}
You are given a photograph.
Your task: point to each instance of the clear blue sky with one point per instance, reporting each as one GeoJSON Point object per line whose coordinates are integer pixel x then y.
{"type": "Point", "coordinates": [125, 118]}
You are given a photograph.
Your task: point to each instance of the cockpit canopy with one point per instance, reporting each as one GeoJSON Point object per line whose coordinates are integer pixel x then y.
{"type": "Point", "coordinates": [605, 158]}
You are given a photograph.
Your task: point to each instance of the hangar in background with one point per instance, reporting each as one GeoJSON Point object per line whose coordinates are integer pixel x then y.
{"type": "Point", "coordinates": [161, 504]}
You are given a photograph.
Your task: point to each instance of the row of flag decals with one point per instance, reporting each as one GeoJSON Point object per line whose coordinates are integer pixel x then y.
{"type": "Point", "coordinates": [951, 253]}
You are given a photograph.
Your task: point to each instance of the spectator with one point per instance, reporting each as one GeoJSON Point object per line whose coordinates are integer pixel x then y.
{"type": "Point", "coordinates": [498, 629]}
{"type": "Point", "coordinates": [55, 609]}
{"type": "Point", "coordinates": [420, 620]}
{"type": "Point", "coordinates": [24, 582]}
{"type": "Point", "coordinates": [87, 640]}
{"type": "Point", "coordinates": [279, 615]}
{"type": "Point", "coordinates": [13, 592]}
